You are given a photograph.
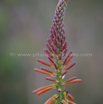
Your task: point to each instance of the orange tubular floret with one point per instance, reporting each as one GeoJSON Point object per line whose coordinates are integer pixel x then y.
{"type": "Point", "coordinates": [50, 79]}
{"type": "Point", "coordinates": [50, 59]}
{"type": "Point", "coordinates": [45, 69]}
{"type": "Point", "coordinates": [68, 60]}
{"type": "Point", "coordinates": [75, 80]}
{"type": "Point", "coordinates": [70, 102]}
{"type": "Point", "coordinates": [42, 88]}
{"type": "Point", "coordinates": [43, 62]}
{"type": "Point", "coordinates": [42, 91]}
{"type": "Point", "coordinates": [65, 60]}
{"type": "Point", "coordinates": [70, 79]}
{"type": "Point", "coordinates": [46, 51]}
{"type": "Point", "coordinates": [65, 97]}
{"type": "Point", "coordinates": [64, 102]}
{"type": "Point", "coordinates": [44, 72]}
{"type": "Point", "coordinates": [69, 54]}
{"type": "Point", "coordinates": [50, 99]}
{"type": "Point", "coordinates": [71, 66]}
{"type": "Point", "coordinates": [50, 62]}
{"type": "Point", "coordinates": [70, 97]}
{"type": "Point", "coordinates": [49, 48]}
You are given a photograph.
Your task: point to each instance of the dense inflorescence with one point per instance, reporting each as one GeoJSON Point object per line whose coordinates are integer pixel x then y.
{"type": "Point", "coordinates": [56, 53]}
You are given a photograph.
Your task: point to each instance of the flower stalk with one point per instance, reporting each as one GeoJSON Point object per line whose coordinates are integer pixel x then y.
{"type": "Point", "coordinates": [58, 60]}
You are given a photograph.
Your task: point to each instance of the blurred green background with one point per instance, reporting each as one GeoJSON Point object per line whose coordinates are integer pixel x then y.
{"type": "Point", "coordinates": [24, 29]}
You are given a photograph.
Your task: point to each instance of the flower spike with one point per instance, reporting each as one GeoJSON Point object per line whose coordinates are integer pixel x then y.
{"type": "Point", "coordinates": [56, 54]}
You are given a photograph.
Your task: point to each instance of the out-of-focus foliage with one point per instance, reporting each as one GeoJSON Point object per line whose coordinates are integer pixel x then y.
{"type": "Point", "coordinates": [24, 29]}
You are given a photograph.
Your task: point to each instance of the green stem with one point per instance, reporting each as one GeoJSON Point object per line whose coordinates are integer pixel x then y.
{"type": "Point", "coordinates": [59, 86]}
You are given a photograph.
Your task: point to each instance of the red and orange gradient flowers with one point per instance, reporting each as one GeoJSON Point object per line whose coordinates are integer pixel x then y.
{"type": "Point", "coordinates": [58, 59]}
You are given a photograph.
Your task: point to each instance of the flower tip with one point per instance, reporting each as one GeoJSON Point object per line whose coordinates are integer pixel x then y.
{"type": "Point", "coordinates": [33, 92]}
{"type": "Point", "coordinates": [35, 68]}
{"type": "Point", "coordinates": [80, 79]}
{"type": "Point", "coordinates": [71, 51]}
{"type": "Point", "coordinates": [47, 39]}
{"type": "Point", "coordinates": [44, 49]}
{"type": "Point", "coordinates": [74, 62]}
{"type": "Point", "coordinates": [46, 77]}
